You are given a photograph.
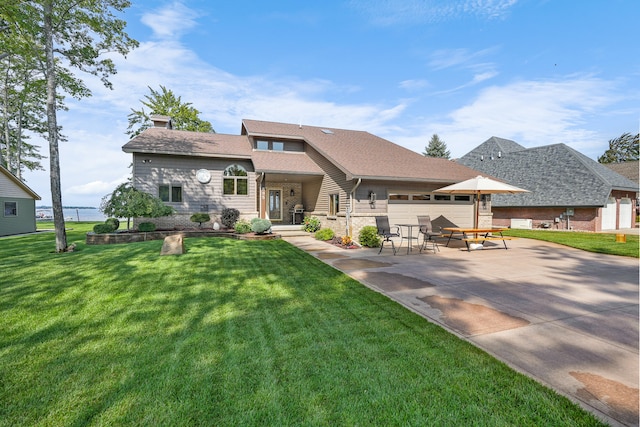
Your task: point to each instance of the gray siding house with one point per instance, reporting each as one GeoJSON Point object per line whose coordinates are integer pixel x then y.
{"type": "Point", "coordinates": [18, 204]}
{"type": "Point", "coordinates": [568, 190]}
{"type": "Point", "coordinates": [273, 170]}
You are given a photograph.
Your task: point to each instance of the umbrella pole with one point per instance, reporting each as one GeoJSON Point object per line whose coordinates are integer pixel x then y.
{"type": "Point", "coordinates": [477, 211]}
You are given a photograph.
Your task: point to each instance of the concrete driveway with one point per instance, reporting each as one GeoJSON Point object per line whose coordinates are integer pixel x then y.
{"type": "Point", "coordinates": [562, 316]}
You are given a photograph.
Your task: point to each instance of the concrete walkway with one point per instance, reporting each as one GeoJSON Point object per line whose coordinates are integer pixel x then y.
{"type": "Point", "coordinates": [562, 316]}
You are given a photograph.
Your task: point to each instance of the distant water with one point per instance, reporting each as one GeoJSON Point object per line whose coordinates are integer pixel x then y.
{"type": "Point", "coordinates": [73, 214]}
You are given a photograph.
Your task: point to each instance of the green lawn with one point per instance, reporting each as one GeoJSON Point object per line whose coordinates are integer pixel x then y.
{"type": "Point", "coordinates": [234, 333]}
{"type": "Point", "coordinates": [604, 243]}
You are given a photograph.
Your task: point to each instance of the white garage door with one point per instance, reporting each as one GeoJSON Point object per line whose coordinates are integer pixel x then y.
{"type": "Point", "coordinates": [460, 213]}
{"type": "Point", "coordinates": [625, 213]}
{"type": "Point", "coordinates": [609, 215]}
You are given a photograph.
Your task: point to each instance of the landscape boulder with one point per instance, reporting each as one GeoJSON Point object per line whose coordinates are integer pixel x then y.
{"type": "Point", "coordinates": [172, 245]}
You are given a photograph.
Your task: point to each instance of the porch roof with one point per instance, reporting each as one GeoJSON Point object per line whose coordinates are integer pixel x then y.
{"type": "Point", "coordinates": [285, 162]}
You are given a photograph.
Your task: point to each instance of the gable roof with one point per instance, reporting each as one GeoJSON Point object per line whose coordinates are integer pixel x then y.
{"type": "Point", "coordinates": [555, 175]}
{"type": "Point", "coordinates": [360, 154]}
{"type": "Point", "coordinates": [186, 143]}
{"type": "Point", "coordinates": [21, 185]}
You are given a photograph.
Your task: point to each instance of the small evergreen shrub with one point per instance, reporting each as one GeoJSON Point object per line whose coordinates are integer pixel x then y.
{"type": "Point", "coordinates": [242, 226]}
{"type": "Point", "coordinates": [147, 227]}
{"type": "Point", "coordinates": [200, 218]}
{"type": "Point", "coordinates": [103, 228]}
{"type": "Point", "coordinates": [310, 224]}
{"type": "Point", "coordinates": [113, 221]}
{"type": "Point", "coordinates": [324, 234]}
{"type": "Point", "coordinates": [229, 217]}
{"type": "Point", "coordinates": [260, 226]}
{"type": "Point", "coordinates": [369, 236]}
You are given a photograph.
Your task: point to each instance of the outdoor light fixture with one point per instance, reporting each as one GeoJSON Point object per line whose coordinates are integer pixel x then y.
{"type": "Point", "coordinates": [292, 193]}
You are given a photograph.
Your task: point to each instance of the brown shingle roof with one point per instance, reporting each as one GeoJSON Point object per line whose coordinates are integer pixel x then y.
{"type": "Point", "coordinates": [628, 169]}
{"type": "Point", "coordinates": [363, 155]}
{"type": "Point", "coordinates": [273, 162]}
{"type": "Point", "coordinates": [167, 141]}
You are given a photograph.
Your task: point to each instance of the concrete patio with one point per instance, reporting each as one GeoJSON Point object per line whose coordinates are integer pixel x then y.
{"type": "Point", "coordinates": [565, 317]}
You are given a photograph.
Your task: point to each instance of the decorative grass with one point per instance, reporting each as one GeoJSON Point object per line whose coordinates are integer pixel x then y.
{"type": "Point", "coordinates": [234, 333]}
{"type": "Point", "coordinates": [604, 243]}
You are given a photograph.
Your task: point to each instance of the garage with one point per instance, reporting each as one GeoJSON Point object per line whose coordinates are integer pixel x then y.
{"type": "Point", "coordinates": [405, 207]}
{"type": "Point", "coordinates": [609, 216]}
{"type": "Point", "coordinates": [625, 213]}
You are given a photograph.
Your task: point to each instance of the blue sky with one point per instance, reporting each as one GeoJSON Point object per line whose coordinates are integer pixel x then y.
{"type": "Point", "coordinates": [538, 72]}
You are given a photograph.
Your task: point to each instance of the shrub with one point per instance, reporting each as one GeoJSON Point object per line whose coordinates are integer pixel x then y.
{"type": "Point", "coordinates": [103, 228]}
{"type": "Point", "coordinates": [113, 221]}
{"type": "Point", "coordinates": [324, 234]}
{"type": "Point", "coordinates": [310, 224]}
{"type": "Point", "coordinates": [242, 226]}
{"type": "Point", "coordinates": [369, 236]}
{"type": "Point", "coordinates": [229, 217]}
{"type": "Point", "coordinates": [147, 226]}
{"type": "Point", "coordinates": [200, 218]}
{"type": "Point", "coordinates": [260, 226]}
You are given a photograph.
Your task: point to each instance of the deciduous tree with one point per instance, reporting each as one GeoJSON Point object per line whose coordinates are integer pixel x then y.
{"type": "Point", "coordinates": [165, 103]}
{"type": "Point", "coordinates": [127, 202]}
{"type": "Point", "coordinates": [621, 149]}
{"type": "Point", "coordinates": [62, 35]}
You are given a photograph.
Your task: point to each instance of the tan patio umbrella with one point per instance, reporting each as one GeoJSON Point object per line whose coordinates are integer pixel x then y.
{"type": "Point", "coordinates": [480, 185]}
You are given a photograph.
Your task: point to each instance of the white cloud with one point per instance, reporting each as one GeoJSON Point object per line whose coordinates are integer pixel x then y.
{"type": "Point", "coordinates": [412, 85]}
{"type": "Point", "coordinates": [170, 22]}
{"type": "Point", "coordinates": [532, 113]}
{"type": "Point", "coordinates": [403, 12]}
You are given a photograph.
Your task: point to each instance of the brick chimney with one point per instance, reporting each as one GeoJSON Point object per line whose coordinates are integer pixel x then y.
{"type": "Point", "coordinates": [161, 121]}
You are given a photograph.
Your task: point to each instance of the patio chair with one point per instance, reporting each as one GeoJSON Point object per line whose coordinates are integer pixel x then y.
{"type": "Point", "coordinates": [386, 232]}
{"type": "Point", "coordinates": [428, 235]}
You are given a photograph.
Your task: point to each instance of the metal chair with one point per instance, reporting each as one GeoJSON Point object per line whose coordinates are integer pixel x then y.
{"type": "Point", "coordinates": [428, 235]}
{"type": "Point", "coordinates": [385, 231]}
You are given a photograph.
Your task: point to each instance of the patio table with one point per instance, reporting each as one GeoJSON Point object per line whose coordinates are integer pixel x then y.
{"type": "Point", "coordinates": [409, 237]}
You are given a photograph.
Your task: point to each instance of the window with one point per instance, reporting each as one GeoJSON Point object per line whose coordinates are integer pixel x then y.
{"type": "Point", "coordinates": [441, 197]}
{"type": "Point", "coordinates": [264, 145]}
{"type": "Point", "coordinates": [235, 181]}
{"type": "Point", "coordinates": [421, 197]}
{"type": "Point", "coordinates": [462, 198]}
{"type": "Point", "coordinates": [334, 204]}
{"type": "Point", "coordinates": [398, 197]}
{"type": "Point", "coordinates": [170, 193]}
{"type": "Point", "coordinates": [10, 208]}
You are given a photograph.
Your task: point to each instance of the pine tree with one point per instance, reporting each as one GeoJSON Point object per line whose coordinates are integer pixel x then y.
{"type": "Point", "coordinates": [437, 148]}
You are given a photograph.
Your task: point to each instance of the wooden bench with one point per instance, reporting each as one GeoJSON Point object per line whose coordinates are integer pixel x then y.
{"type": "Point", "coordinates": [477, 239]}
{"type": "Point", "coordinates": [482, 239]}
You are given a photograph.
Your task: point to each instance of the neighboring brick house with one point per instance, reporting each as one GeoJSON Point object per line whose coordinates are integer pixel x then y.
{"type": "Point", "coordinates": [18, 203]}
{"type": "Point", "coordinates": [561, 181]}
{"type": "Point", "coordinates": [343, 177]}
{"type": "Point", "coordinates": [631, 171]}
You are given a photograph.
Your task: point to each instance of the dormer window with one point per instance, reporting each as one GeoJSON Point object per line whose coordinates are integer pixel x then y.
{"type": "Point", "coordinates": [265, 145]}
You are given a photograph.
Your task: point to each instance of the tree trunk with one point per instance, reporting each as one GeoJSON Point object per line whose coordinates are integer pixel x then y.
{"type": "Point", "coordinates": [52, 129]}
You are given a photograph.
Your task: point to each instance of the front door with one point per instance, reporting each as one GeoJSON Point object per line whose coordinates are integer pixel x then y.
{"type": "Point", "coordinates": [275, 205]}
